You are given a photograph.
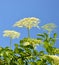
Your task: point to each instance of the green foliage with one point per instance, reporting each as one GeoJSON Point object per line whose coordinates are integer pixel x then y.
{"type": "Point", "coordinates": [25, 52]}
{"type": "Point", "coordinates": [28, 55]}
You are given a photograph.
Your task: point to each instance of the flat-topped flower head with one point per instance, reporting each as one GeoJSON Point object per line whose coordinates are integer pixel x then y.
{"type": "Point", "coordinates": [49, 27]}
{"type": "Point", "coordinates": [11, 33]}
{"type": "Point", "coordinates": [30, 41]}
{"type": "Point", "coordinates": [28, 22]}
{"type": "Point", "coordinates": [26, 43]}
{"type": "Point", "coordinates": [55, 58]}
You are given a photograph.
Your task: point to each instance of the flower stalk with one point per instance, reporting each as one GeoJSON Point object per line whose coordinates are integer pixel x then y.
{"type": "Point", "coordinates": [28, 33]}
{"type": "Point", "coordinates": [10, 43]}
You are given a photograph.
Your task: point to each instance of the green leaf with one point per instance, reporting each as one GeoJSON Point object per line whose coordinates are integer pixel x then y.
{"type": "Point", "coordinates": [16, 45]}
{"type": "Point", "coordinates": [55, 35]}
{"type": "Point", "coordinates": [32, 63]}
{"type": "Point", "coordinates": [46, 36]}
{"type": "Point", "coordinates": [42, 35]}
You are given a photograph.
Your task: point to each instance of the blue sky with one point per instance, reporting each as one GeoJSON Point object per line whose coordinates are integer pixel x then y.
{"type": "Point", "coordinates": [13, 10]}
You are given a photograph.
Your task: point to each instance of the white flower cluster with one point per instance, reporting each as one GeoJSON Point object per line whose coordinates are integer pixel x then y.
{"type": "Point", "coordinates": [12, 34]}
{"type": "Point", "coordinates": [49, 27]}
{"type": "Point", "coordinates": [26, 43]}
{"type": "Point", "coordinates": [33, 42]}
{"type": "Point", "coordinates": [55, 59]}
{"type": "Point", "coordinates": [28, 22]}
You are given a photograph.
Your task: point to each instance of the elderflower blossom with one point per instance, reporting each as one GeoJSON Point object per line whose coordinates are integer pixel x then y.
{"type": "Point", "coordinates": [34, 42]}
{"type": "Point", "coordinates": [55, 58]}
{"type": "Point", "coordinates": [12, 34]}
{"type": "Point", "coordinates": [49, 27]}
{"type": "Point", "coordinates": [26, 43]}
{"type": "Point", "coordinates": [28, 22]}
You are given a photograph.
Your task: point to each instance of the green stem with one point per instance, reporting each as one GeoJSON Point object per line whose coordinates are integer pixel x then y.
{"type": "Point", "coordinates": [49, 34]}
{"type": "Point", "coordinates": [28, 33]}
{"type": "Point", "coordinates": [10, 42]}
